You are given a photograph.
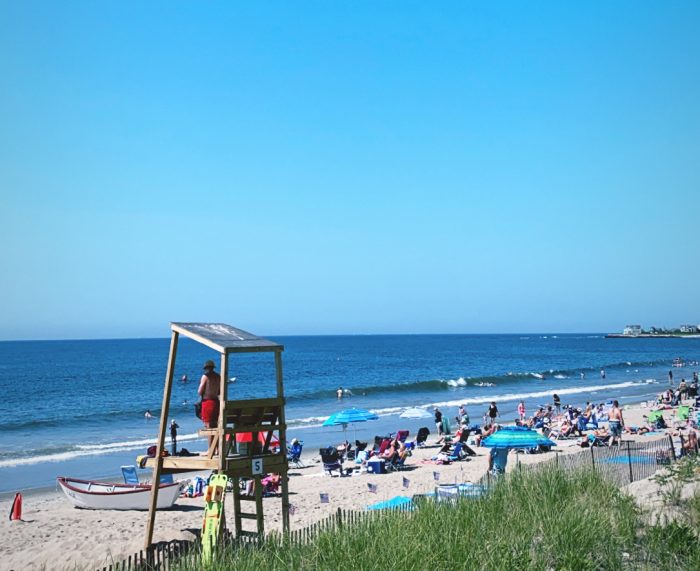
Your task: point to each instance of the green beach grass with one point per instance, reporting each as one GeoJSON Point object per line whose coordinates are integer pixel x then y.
{"type": "Point", "coordinates": [550, 519]}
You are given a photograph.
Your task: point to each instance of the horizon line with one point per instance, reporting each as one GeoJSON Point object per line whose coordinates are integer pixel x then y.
{"type": "Point", "coordinates": [145, 338]}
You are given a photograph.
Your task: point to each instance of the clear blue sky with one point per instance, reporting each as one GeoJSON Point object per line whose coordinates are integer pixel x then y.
{"type": "Point", "coordinates": [359, 167]}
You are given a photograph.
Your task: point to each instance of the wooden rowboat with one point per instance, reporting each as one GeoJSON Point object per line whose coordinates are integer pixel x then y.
{"type": "Point", "coordinates": [104, 496]}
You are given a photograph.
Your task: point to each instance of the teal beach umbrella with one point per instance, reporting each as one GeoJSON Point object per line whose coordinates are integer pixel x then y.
{"type": "Point", "coordinates": [349, 416]}
{"type": "Point", "coordinates": [516, 437]}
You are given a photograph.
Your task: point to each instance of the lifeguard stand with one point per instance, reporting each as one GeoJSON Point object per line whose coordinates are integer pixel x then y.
{"type": "Point", "coordinates": [255, 416]}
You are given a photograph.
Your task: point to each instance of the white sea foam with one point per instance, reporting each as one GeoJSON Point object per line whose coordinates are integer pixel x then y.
{"type": "Point", "coordinates": [87, 450]}
{"type": "Point", "coordinates": [560, 377]}
{"type": "Point", "coordinates": [536, 394]}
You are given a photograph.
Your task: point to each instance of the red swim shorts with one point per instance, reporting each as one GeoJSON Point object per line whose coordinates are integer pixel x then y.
{"type": "Point", "coordinates": [210, 411]}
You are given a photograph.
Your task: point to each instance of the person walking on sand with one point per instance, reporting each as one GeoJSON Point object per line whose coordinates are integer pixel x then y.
{"type": "Point", "coordinates": [173, 436]}
{"type": "Point", "coordinates": [521, 411]}
{"type": "Point", "coordinates": [491, 414]}
{"type": "Point", "coordinates": [462, 416]}
{"type": "Point", "coordinates": [438, 421]}
{"type": "Point", "coordinates": [209, 387]}
{"type": "Point", "coordinates": [616, 423]}
{"type": "Point", "coordinates": [557, 403]}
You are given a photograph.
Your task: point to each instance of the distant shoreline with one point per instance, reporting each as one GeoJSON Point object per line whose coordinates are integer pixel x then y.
{"type": "Point", "coordinates": [653, 336]}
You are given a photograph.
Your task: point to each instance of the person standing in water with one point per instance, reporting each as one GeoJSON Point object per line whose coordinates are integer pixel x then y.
{"type": "Point", "coordinates": [670, 377]}
{"type": "Point", "coordinates": [209, 387]}
{"type": "Point", "coordinates": [340, 393]}
{"type": "Point", "coordinates": [521, 411]}
{"type": "Point", "coordinates": [602, 373]}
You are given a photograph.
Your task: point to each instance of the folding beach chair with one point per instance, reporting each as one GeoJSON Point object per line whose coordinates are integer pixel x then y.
{"type": "Point", "coordinates": [331, 461]}
{"type": "Point", "coordinates": [294, 454]}
{"type": "Point", "coordinates": [383, 446]}
{"type": "Point", "coordinates": [360, 446]}
{"type": "Point", "coordinates": [401, 435]}
{"type": "Point", "coordinates": [422, 436]}
{"type": "Point", "coordinates": [458, 453]}
{"type": "Point", "coordinates": [130, 475]}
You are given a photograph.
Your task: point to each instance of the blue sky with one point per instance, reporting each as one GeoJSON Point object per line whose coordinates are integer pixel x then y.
{"type": "Point", "coordinates": [361, 167]}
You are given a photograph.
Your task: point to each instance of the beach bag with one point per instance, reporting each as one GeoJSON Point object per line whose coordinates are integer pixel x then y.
{"type": "Point", "coordinates": [198, 409]}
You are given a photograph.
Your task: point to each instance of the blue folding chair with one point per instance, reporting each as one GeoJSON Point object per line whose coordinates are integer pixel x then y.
{"type": "Point", "coordinates": [130, 475]}
{"type": "Point", "coordinates": [294, 454]}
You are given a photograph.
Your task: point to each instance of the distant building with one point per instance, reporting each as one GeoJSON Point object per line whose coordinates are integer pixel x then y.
{"type": "Point", "coordinates": [689, 328]}
{"type": "Point", "coordinates": [632, 330]}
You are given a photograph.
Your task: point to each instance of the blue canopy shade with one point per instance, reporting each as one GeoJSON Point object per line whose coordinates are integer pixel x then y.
{"type": "Point", "coordinates": [516, 437]}
{"type": "Point", "coordinates": [415, 413]}
{"type": "Point", "coordinates": [393, 503]}
{"type": "Point", "coordinates": [349, 416]}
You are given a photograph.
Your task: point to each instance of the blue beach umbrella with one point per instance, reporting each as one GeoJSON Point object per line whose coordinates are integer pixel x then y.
{"type": "Point", "coordinates": [516, 437]}
{"type": "Point", "coordinates": [349, 416]}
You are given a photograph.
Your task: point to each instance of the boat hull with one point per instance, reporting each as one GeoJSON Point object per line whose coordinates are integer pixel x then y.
{"type": "Point", "coordinates": [89, 495]}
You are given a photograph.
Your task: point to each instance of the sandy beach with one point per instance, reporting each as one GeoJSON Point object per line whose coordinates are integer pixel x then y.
{"type": "Point", "coordinates": [55, 535]}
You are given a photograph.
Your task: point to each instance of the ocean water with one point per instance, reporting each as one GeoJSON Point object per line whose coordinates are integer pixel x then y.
{"type": "Point", "coordinates": [77, 407]}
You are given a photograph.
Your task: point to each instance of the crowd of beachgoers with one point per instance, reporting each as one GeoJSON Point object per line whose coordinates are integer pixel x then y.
{"type": "Point", "coordinates": [348, 475]}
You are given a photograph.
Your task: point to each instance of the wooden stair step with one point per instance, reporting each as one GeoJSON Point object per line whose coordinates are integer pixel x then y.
{"type": "Point", "coordinates": [247, 515]}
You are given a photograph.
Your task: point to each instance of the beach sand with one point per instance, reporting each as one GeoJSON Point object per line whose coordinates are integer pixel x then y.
{"type": "Point", "coordinates": [55, 535]}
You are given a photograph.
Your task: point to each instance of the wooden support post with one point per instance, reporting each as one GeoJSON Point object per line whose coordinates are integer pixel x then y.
{"type": "Point", "coordinates": [237, 505]}
{"type": "Point", "coordinates": [259, 515]}
{"type": "Point", "coordinates": [160, 446]}
{"type": "Point", "coordinates": [629, 460]}
{"type": "Point", "coordinates": [283, 443]}
{"type": "Point", "coordinates": [223, 395]}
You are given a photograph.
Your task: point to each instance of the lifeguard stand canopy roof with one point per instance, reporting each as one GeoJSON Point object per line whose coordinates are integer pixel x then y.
{"type": "Point", "coordinates": [225, 338]}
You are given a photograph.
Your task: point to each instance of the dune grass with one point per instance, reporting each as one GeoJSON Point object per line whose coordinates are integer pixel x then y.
{"type": "Point", "coordinates": [546, 520]}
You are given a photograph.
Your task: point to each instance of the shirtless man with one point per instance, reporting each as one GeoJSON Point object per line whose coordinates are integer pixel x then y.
{"type": "Point", "coordinates": [209, 391]}
{"type": "Point", "coordinates": [615, 423]}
